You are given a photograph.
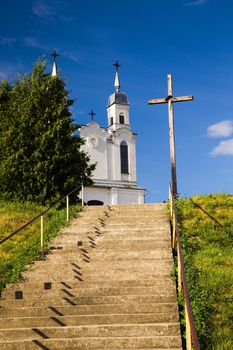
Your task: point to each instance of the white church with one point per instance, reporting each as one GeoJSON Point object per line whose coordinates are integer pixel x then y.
{"type": "Point", "coordinates": [114, 150]}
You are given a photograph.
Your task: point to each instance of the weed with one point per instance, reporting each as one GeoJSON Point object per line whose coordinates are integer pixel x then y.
{"type": "Point", "coordinates": [207, 232]}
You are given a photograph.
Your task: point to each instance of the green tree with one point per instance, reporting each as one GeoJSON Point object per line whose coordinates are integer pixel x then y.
{"type": "Point", "coordinates": [40, 158]}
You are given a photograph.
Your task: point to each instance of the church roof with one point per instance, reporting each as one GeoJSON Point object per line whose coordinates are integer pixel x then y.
{"type": "Point", "coordinates": [118, 98]}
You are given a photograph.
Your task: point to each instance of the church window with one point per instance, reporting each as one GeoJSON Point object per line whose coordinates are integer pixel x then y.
{"type": "Point", "coordinates": [122, 119]}
{"type": "Point", "coordinates": [111, 121]}
{"type": "Point", "coordinates": [124, 158]}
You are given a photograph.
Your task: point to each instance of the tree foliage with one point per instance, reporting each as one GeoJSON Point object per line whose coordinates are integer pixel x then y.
{"type": "Point", "coordinates": [40, 158]}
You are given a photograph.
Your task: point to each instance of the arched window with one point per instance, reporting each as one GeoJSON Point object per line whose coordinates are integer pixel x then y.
{"type": "Point", "coordinates": [124, 158]}
{"type": "Point", "coordinates": [122, 119]}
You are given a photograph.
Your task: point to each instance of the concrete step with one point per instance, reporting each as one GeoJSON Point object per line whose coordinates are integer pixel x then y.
{"type": "Point", "coordinates": [115, 255]}
{"type": "Point", "coordinates": [74, 320]}
{"type": "Point", "coordinates": [88, 310]}
{"type": "Point", "coordinates": [120, 330]}
{"type": "Point", "coordinates": [113, 343]}
{"type": "Point", "coordinates": [97, 291]}
{"type": "Point", "coordinates": [70, 284]}
{"type": "Point", "coordinates": [168, 297]}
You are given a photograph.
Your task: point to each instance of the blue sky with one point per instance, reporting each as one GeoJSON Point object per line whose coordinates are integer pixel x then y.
{"type": "Point", "coordinates": [192, 40]}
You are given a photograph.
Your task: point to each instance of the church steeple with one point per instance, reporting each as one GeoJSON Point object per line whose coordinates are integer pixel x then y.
{"type": "Point", "coordinates": [117, 80]}
{"type": "Point", "coordinates": [118, 105]}
{"type": "Point", "coordinates": [54, 71]}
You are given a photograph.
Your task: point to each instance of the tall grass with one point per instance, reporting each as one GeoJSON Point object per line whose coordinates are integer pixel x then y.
{"type": "Point", "coordinates": [24, 247]}
{"type": "Point", "coordinates": [208, 254]}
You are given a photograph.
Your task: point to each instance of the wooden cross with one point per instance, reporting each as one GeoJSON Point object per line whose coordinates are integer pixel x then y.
{"type": "Point", "coordinates": [92, 114]}
{"type": "Point", "coordinates": [170, 99]}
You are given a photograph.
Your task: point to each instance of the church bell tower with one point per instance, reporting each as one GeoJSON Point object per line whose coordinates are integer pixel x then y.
{"type": "Point", "coordinates": [118, 105]}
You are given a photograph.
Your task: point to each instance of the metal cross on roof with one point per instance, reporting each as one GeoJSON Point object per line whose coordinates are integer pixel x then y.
{"type": "Point", "coordinates": [54, 54]}
{"type": "Point", "coordinates": [92, 114]}
{"type": "Point", "coordinates": [117, 65]}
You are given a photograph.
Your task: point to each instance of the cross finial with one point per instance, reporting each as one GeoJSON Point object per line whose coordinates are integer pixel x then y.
{"type": "Point", "coordinates": [117, 65]}
{"type": "Point", "coordinates": [92, 114]}
{"type": "Point", "coordinates": [54, 71]}
{"type": "Point", "coordinates": [117, 81]}
{"type": "Point", "coordinates": [54, 54]}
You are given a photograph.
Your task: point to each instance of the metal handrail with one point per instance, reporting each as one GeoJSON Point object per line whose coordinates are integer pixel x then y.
{"type": "Point", "coordinates": [41, 216]}
{"type": "Point", "coordinates": [191, 332]}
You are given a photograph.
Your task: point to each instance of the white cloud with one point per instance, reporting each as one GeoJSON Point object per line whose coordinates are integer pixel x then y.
{"type": "Point", "coordinates": [221, 129]}
{"type": "Point", "coordinates": [71, 56]}
{"type": "Point", "coordinates": [195, 3]}
{"type": "Point", "coordinates": [7, 41]}
{"type": "Point", "coordinates": [223, 148]}
{"type": "Point", "coordinates": [43, 10]}
{"type": "Point", "coordinates": [48, 11]}
{"type": "Point", "coordinates": [34, 42]}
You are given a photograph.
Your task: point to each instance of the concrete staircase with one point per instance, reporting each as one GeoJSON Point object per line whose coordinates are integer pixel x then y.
{"type": "Point", "coordinates": [105, 284]}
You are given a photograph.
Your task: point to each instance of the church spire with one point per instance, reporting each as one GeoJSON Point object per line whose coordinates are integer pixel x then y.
{"type": "Point", "coordinates": [117, 80]}
{"type": "Point", "coordinates": [54, 71]}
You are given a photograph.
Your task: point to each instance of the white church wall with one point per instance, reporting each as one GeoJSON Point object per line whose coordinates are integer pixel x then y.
{"type": "Point", "coordinates": [114, 195]}
{"type": "Point", "coordinates": [99, 194]}
{"type": "Point", "coordinates": [130, 196]}
{"type": "Point", "coordinates": [96, 146]}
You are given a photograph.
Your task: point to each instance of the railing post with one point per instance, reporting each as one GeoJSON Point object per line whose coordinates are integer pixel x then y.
{"type": "Point", "coordinates": [188, 330]}
{"type": "Point", "coordinates": [82, 195]}
{"type": "Point", "coordinates": [42, 233]}
{"type": "Point", "coordinates": [67, 208]}
{"type": "Point", "coordinates": [174, 232]}
{"type": "Point", "coordinates": [179, 269]}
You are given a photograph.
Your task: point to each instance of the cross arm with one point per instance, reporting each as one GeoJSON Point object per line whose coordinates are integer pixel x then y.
{"type": "Point", "coordinates": [157, 101]}
{"type": "Point", "coordinates": [171, 98]}
{"type": "Point", "coordinates": [182, 98]}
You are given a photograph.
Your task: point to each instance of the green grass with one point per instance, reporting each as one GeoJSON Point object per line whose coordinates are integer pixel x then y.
{"type": "Point", "coordinates": [24, 247]}
{"type": "Point", "coordinates": [208, 254]}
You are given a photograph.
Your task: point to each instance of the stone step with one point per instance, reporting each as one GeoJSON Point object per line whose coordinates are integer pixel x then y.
{"type": "Point", "coordinates": [74, 252]}
{"type": "Point", "coordinates": [120, 272]}
{"type": "Point", "coordinates": [88, 310]}
{"type": "Point", "coordinates": [115, 255]}
{"type": "Point", "coordinates": [98, 291]}
{"type": "Point", "coordinates": [121, 330]}
{"type": "Point", "coordinates": [70, 284]}
{"type": "Point", "coordinates": [97, 319]}
{"type": "Point", "coordinates": [62, 264]}
{"type": "Point", "coordinates": [117, 343]}
{"type": "Point", "coordinates": [93, 278]}
{"type": "Point", "coordinates": [168, 297]}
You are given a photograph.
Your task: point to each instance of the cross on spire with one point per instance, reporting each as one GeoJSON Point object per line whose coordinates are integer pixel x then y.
{"type": "Point", "coordinates": [117, 65]}
{"type": "Point", "coordinates": [117, 80]}
{"type": "Point", "coordinates": [55, 55]}
{"type": "Point", "coordinates": [170, 99]}
{"type": "Point", "coordinates": [54, 71]}
{"type": "Point", "coordinates": [92, 114]}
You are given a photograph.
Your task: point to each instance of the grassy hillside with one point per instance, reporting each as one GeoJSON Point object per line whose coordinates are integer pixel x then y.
{"type": "Point", "coordinates": [208, 250]}
{"type": "Point", "coordinates": [24, 247]}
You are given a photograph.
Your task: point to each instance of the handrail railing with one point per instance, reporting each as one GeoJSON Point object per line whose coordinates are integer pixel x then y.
{"type": "Point", "coordinates": [191, 333]}
{"type": "Point", "coordinates": [41, 216]}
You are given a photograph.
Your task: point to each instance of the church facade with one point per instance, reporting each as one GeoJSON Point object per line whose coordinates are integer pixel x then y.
{"type": "Point", "coordinates": [113, 149]}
